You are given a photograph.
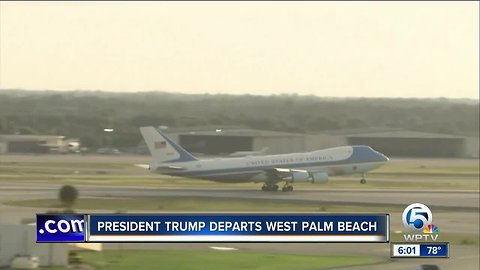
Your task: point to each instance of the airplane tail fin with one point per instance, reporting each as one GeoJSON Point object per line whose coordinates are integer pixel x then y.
{"type": "Point", "coordinates": [162, 148]}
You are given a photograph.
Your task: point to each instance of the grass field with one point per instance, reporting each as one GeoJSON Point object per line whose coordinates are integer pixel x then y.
{"type": "Point", "coordinates": [192, 260]}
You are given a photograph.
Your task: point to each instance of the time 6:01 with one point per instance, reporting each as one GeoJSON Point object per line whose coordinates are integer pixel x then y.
{"type": "Point", "coordinates": [406, 250]}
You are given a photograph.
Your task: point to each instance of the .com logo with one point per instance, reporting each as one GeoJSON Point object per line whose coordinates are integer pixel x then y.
{"type": "Point", "coordinates": [64, 226]}
{"type": "Point", "coordinates": [416, 216]}
{"type": "Point", "coordinates": [60, 228]}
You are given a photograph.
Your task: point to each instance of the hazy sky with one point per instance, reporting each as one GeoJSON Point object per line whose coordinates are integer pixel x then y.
{"type": "Point", "coordinates": [391, 49]}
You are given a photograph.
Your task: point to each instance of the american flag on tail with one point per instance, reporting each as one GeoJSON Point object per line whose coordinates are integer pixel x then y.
{"type": "Point", "coordinates": [159, 145]}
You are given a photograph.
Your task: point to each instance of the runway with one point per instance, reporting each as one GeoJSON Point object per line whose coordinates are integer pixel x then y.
{"type": "Point", "coordinates": [446, 199]}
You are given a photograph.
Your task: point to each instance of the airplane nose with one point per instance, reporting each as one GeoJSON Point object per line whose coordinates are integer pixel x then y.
{"type": "Point", "coordinates": [381, 157]}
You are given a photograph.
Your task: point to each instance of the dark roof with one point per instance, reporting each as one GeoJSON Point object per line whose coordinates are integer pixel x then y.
{"type": "Point", "coordinates": [351, 131]}
{"type": "Point", "coordinates": [238, 132]}
{"type": "Point", "coordinates": [404, 134]}
{"type": "Point", "coordinates": [201, 128]}
{"type": "Point", "coordinates": [16, 137]}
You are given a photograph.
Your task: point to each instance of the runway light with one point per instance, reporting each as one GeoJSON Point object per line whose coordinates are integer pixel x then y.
{"type": "Point", "coordinates": [218, 130]}
{"type": "Point", "coordinates": [108, 129]}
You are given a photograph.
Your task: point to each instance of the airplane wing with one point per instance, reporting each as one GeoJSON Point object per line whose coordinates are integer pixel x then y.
{"type": "Point", "coordinates": [143, 166]}
{"type": "Point", "coordinates": [169, 167]}
{"type": "Point", "coordinates": [172, 167]}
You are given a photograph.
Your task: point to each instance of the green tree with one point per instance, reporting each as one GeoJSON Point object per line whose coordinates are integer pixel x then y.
{"type": "Point", "coordinates": [68, 195]}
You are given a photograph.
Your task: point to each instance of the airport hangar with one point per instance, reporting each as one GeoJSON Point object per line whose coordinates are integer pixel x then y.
{"type": "Point", "coordinates": [16, 143]}
{"type": "Point", "coordinates": [392, 142]}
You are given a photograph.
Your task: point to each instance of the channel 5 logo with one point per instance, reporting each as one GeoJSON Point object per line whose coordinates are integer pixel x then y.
{"type": "Point", "coordinates": [418, 218]}
{"type": "Point", "coordinates": [60, 228]}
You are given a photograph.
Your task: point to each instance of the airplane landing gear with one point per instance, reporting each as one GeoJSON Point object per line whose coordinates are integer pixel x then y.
{"type": "Point", "coordinates": [363, 180]}
{"type": "Point", "coordinates": [287, 188]}
{"type": "Point", "coordinates": [269, 187]}
{"type": "Point", "coordinates": [274, 187]}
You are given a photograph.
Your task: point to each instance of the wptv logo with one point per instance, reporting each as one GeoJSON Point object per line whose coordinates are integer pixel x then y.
{"type": "Point", "coordinates": [418, 218]}
{"type": "Point", "coordinates": [61, 228]}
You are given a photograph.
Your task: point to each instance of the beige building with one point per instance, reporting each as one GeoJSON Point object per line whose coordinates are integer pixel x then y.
{"type": "Point", "coordinates": [13, 143]}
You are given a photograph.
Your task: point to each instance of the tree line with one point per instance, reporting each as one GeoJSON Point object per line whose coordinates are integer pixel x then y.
{"type": "Point", "coordinates": [84, 114]}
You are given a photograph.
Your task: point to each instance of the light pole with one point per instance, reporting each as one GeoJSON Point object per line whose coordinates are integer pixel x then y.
{"type": "Point", "coordinates": [108, 136]}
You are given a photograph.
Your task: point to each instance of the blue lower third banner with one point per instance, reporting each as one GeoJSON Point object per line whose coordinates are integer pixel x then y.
{"type": "Point", "coordinates": [169, 227]}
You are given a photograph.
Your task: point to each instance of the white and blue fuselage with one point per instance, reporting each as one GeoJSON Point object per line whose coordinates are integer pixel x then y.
{"type": "Point", "coordinates": [171, 159]}
{"type": "Point", "coordinates": [333, 161]}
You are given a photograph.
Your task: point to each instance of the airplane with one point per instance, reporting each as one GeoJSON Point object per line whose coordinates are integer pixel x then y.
{"type": "Point", "coordinates": [249, 153]}
{"type": "Point", "coordinates": [315, 167]}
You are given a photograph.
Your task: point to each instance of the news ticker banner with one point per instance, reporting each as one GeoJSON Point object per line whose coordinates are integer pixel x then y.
{"type": "Point", "coordinates": [419, 250]}
{"type": "Point", "coordinates": [182, 227]}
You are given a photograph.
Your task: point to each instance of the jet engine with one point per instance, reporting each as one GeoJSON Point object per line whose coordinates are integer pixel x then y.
{"type": "Point", "coordinates": [319, 178]}
{"type": "Point", "coordinates": [299, 176]}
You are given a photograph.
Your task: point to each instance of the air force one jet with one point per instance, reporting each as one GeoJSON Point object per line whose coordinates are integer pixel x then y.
{"type": "Point", "coordinates": [315, 167]}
